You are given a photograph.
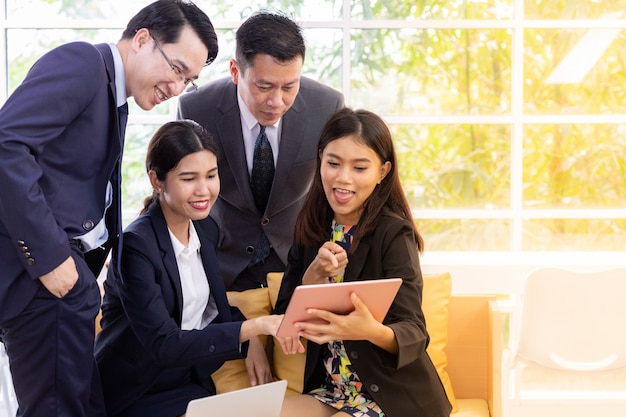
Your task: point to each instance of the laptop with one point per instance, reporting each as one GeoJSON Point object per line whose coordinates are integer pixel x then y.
{"type": "Point", "coordinates": [260, 401]}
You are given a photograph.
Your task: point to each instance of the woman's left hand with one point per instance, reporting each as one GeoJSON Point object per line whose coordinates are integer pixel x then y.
{"type": "Point", "coordinates": [258, 366]}
{"type": "Point", "coordinates": [357, 325]}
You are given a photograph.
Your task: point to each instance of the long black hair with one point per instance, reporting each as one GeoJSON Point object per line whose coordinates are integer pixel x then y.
{"type": "Point", "coordinates": [316, 215]}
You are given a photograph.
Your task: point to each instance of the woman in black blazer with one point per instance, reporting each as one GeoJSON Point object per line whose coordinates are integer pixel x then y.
{"type": "Point", "coordinates": [167, 325]}
{"type": "Point", "coordinates": [356, 366]}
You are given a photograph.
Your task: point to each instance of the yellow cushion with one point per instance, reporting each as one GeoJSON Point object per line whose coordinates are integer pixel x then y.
{"type": "Point", "coordinates": [288, 367]}
{"type": "Point", "coordinates": [435, 298]}
{"type": "Point", "coordinates": [233, 375]}
{"type": "Point", "coordinates": [474, 407]}
{"type": "Point", "coordinates": [253, 303]}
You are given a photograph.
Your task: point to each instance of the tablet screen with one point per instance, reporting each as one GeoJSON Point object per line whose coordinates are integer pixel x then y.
{"type": "Point", "coordinates": [376, 294]}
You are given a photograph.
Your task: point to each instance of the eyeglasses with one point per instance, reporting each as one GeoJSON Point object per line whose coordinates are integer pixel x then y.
{"type": "Point", "coordinates": [179, 72]}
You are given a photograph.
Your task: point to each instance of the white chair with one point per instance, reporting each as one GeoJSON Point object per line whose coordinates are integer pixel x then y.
{"type": "Point", "coordinates": [567, 350]}
{"type": "Point", "coordinates": [8, 402]}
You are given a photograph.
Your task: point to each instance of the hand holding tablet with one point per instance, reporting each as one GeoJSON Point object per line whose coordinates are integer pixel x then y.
{"type": "Point", "coordinates": [377, 295]}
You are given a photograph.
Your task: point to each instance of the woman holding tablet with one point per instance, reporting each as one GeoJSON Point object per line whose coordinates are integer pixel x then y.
{"type": "Point", "coordinates": [356, 225]}
{"type": "Point", "coordinates": [167, 325]}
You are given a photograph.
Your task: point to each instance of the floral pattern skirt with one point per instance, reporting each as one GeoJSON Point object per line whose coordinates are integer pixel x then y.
{"type": "Point", "coordinates": [343, 389]}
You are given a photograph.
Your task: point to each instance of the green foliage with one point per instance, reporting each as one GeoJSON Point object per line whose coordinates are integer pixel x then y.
{"type": "Point", "coordinates": [430, 83]}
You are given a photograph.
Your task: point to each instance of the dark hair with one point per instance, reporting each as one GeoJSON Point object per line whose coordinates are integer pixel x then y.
{"type": "Point", "coordinates": [165, 19]}
{"type": "Point", "coordinates": [315, 217]}
{"type": "Point", "coordinates": [270, 33]}
{"type": "Point", "coordinates": [172, 142]}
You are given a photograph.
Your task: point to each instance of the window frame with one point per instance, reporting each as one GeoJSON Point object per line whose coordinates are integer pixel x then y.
{"type": "Point", "coordinates": [474, 272]}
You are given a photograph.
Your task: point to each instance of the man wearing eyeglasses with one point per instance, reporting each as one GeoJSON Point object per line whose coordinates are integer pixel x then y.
{"type": "Point", "coordinates": [61, 141]}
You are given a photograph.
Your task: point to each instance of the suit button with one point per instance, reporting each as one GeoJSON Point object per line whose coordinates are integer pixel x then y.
{"type": "Point", "coordinates": [27, 255]}
{"type": "Point", "coordinates": [30, 261]}
{"type": "Point", "coordinates": [88, 225]}
{"type": "Point", "coordinates": [374, 388]}
{"type": "Point", "coordinates": [250, 250]}
{"type": "Point", "coordinates": [211, 348]}
{"type": "Point", "coordinates": [24, 249]}
{"type": "Point", "coordinates": [354, 355]}
{"type": "Point", "coordinates": [21, 243]}
{"type": "Point", "coordinates": [265, 221]}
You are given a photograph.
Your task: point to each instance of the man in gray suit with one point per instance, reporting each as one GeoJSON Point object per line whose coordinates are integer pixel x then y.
{"type": "Point", "coordinates": [264, 94]}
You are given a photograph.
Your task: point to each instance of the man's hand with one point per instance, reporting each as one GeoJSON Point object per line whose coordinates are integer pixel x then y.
{"type": "Point", "coordinates": [61, 279]}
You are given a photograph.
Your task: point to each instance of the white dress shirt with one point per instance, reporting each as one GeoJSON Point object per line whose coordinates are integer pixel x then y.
{"type": "Point", "coordinates": [251, 128]}
{"type": "Point", "coordinates": [199, 308]}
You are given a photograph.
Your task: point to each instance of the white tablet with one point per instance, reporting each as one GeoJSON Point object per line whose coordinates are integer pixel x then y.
{"type": "Point", "coordinates": [377, 295]}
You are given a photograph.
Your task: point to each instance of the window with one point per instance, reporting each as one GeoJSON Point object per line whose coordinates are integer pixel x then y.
{"type": "Point", "coordinates": [508, 115]}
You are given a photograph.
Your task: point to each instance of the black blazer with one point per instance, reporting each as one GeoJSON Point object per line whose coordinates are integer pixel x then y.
{"type": "Point", "coordinates": [141, 317]}
{"type": "Point", "coordinates": [215, 107]}
{"type": "Point", "coordinates": [59, 142]}
{"type": "Point", "coordinates": [403, 385]}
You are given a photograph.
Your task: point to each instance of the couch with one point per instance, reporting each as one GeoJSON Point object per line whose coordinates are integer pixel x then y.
{"type": "Point", "coordinates": [461, 345]}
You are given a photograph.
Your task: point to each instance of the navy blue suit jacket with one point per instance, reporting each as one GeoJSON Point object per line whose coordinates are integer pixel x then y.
{"type": "Point", "coordinates": [141, 335]}
{"type": "Point", "coordinates": [59, 143]}
{"type": "Point", "coordinates": [216, 108]}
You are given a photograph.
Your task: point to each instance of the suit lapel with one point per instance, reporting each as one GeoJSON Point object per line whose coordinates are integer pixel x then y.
{"type": "Point", "coordinates": [236, 188]}
{"type": "Point", "coordinates": [113, 218]}
{"type": "Point", "coordinates": [357, 261]}
{"type": "Point", "coordinates": [216, 284]}
{"type": "Point", "coordinates": [293, 128]}
{"type": "Point", "coordinates": [167, 254]}
{"type": "Point", "coordinates": [107, 56]}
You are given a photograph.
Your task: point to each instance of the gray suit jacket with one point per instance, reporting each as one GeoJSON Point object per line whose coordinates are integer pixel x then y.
{"type": "Point", "coordinates": [215, 107]}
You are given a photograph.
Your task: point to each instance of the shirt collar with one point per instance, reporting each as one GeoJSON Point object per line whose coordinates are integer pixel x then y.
{"type": "Point", "coordinates": [120, 78]}
{"type": "Point", "coordinates": [247, 118]}
{"type": "Point", "coordinates": [194, 241]}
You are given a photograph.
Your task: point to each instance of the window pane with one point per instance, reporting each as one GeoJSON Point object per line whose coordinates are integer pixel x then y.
{"type": "Point", "coordinates": [238, 10]}
{"type": "Point", "coordinates": [438, 9]}
{"type": "Point", "coordinates": [135, 184]}
{"type": "Point", "coordinates": [323, 61]}
{"type": "Point", "coordinates": [454, 166]}
{"type": "Point", "coordinates": [574, 71]}
{"type": "Point", "coordinates": [76, 9]}
{"type": "Point", "coordinates": [432, 72]}
{"type": "Point", "coordinates": [220, 67]}
{"type": "Point", "coordinates": [585, 235]}
{"type": "Point", "coordinates": [575, 166]}
{"type": "Point", "coordinates": [561, 9]}
{"type": "Point", "coordinates": [465, 234]}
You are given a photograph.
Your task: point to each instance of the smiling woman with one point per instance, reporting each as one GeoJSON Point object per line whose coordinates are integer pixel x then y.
{"type": "Point", "coordinates": [358, 365]}
{"type": "Point", "coordinates": [168, 325]}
